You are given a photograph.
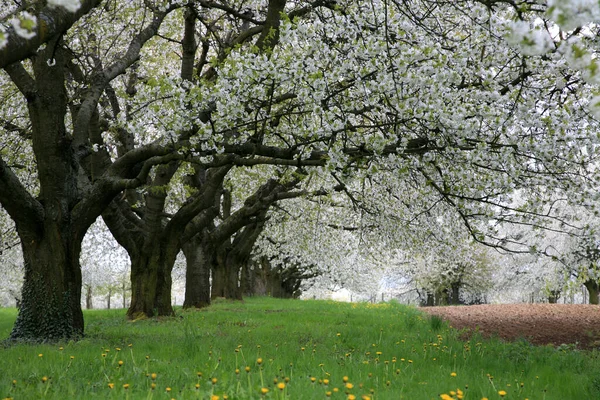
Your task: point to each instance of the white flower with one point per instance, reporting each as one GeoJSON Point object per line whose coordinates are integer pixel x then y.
{"type": "Point", "coordinates": [594, 106]}
{"type": "Point", "coordinates": [3, 37]}
{"type": "Point", "coordinates": [25, 25]}
{"type": "Point", "coordinates": [570, 14]}
{"type": "Point", "coordinates": [531, 42]}
{"type": "Point", "coordinates": [69, 5]}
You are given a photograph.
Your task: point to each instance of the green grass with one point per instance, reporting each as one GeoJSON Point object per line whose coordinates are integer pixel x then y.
{"type": "Point", "coordinates": [386, 351]}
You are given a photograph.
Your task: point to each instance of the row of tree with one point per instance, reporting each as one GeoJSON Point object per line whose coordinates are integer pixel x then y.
{"type": "Point", "coordinates": [184, 124]}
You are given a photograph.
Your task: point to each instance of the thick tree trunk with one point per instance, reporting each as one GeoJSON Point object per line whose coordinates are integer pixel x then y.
{"type": "Point", "coordinates": [151, 281]}
{"type": "Point", "coordinates": [51, 295]}
{"type": "Point", "coordinates": [593, 289]}
{"type": "Point", "coordinates": [219, 280]}
{"type": "Point", "coordinates": [197, 275]}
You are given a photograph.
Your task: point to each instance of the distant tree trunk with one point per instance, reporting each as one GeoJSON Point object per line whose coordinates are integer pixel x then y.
{"type": "Point", "coordinates": [108, 296]}
{"type": "Point", "coordinates": [88, 297]}
{"type": "Point", "coordinates": [593, 289]}
{"type": "Point", "coordinates": [430, 301]}
{"type": "Point", "coordinates": [199, 256]}
{"type": "Point", "coordinates": [553, 296]}
{"type": "Point", "coordinates": [124, 291]}
{"type": "Point", "coordinates": [455, 296]}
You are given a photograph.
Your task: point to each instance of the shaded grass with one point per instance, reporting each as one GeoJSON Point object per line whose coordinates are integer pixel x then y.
{"type": "Point", "coordinates": [386, 351]}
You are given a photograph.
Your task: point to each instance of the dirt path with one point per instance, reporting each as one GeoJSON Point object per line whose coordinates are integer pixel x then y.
{"type": "Point", "coordinates": [538, 323]}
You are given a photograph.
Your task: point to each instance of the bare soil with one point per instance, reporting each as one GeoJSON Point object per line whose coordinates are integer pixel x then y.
{"type": "Point", "coordinates": [540, 324]}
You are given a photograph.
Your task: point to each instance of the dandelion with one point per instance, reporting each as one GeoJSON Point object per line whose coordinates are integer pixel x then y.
{"type": "Point", "coordinates": [453, 374]}
{"type": "Point", "coordinates": [120, 363]}
{"type": "Point", "coordinates": [259, 361]}
{"type": "Point", "coordinates": [328, 394]}
{"type": "Point", "coordinates": [264, 391]}
{"type": "Point", "coordinates": [153, 376]}
{"type": "Point", "coordinates": [445, 397]}
{"type": "Point", "coordinates": [313, 379]}
{"type": "Point", "coordinates": [281, 386]}
{"type": "Point", "coordinates": [153, 386]}
{"type": "Point", "coordinates": [351, 397]}
{"type": "Point", "coordinates": [214, 397]}
{"type": "Point", "coordinates": [72, 357]}
{"type": "Point", "coordinates": [345, 379]}
{"type": "Point", "coordinates": [349, 386]}
{"type": "Point", "coordinates": [126, 386]}
{"type": "Point", "coordinates": [214, 381]}
{"type": "Point", "coordinates": [40, 355]}
{"type": "Point", "coordinates": [61, 348]}
{"type": "Point", "coordinates": [199, 374]}
{"type": "Point", "coordinates": [111, 385]}
{"type": "Point", "coordinates": [197, 386]}
{"type": "Point", "coordinates": [44, 379]}
{"type": "Point", "coordinates": [501, 393]}
{"type": "Point", "coordinates": [247, 369]}
{"type": "Point", "coordinates": [325, 382]}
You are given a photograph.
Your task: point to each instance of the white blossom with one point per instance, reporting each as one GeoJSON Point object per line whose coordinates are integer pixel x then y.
{"type": "Point", "coordinates": [25, 26]}
{"type": "Point", "coordinates": [69, 5]}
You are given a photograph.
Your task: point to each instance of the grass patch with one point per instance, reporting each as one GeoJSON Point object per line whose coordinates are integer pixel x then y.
{"type": "Point", "coordinates": [288, 349]}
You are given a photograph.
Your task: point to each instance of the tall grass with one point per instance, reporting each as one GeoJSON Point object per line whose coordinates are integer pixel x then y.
{"type": "Point", "coordinates": [289, 349]}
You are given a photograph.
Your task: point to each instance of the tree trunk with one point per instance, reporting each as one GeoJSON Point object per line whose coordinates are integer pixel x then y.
{"type": "Point", "coordinates": [51, 295]}
{"type": "Point", "coordinates": [151, 280]}
{"type": "Point", "coordinates": [198, 257]}
{"type": "Point", "coordinates": [593, 288]}
{"type": "Point", "coordinates": [455, 300]}
{"type": "Point", "coordinates": [108, 296]}
{"type": "Point", "coordinates": [553, 296]}
{"type": "Point", "coordinates": [219, 279]}
{"type": "Point", "coordinates": [88, 297]}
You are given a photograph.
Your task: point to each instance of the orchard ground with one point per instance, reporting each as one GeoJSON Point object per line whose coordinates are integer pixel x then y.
{"type": "Point", "coordinates": [265, 348]}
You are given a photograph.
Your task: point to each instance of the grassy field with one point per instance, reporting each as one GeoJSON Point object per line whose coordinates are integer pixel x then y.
{"type": "Point", "coordinates": [289, 349]}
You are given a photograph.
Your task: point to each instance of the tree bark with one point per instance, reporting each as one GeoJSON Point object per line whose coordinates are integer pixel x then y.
{"type": "Point", "coordinates": [51, 295]}
{"type": "Point", "coordinates": [593, 289]}
{"type": "Point", "coordinates": [88, 297]}
{"type": "Point", "coordinates": [198, 255]}
{"type": "Point", "coordinates": [151, 280]}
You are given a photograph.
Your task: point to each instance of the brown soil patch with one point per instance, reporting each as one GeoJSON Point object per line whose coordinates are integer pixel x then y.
{"type": "Point", "coordinates": [540, 324]}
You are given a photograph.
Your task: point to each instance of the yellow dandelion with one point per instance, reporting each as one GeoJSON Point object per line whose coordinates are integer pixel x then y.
{"type": "Point", "coordinates": [72, 357]}
{"type": "Point", "coordinates": [453, 374]}
{"type": "Point", "coordinates": [325, 381]}
{"type": "Point", "coordinates": [328, 394]}
{"type": "Point", "coordinates": [199, 374]}
{"type": "Point", "coordinates": [153, 376]}
{"type": "Point", "coordinates": [40, 355]}
{"type": "Point", "coordinates": [153, 386]}
{"type": "Point", "coordinates": [313, 379]}
{"type": "Point", "coordinates": [168, 389]}
{"type": "Point", "coordinates": [247, 369]}
{"type": "Point", "coordinates": [214, 381]}
{"type": "Point", "coordinates": [501, 393]}
{"type": "Point", "coordinates": [351, 397]}
{"type": "Point", "coordinates": [349, 386]}
{"type": "Point", "coordinates": [44, 379]}
{"type": "Point", "coordinates": [345, 379]}
{"type": "Point", "coordinates": [111, 385]}
{"type": "Point", "coordinates": [259, 361]}
{"type": "Point", "coordinates": [445, 397]}
{"type": "Point", "coordinates": [281, 386]}
{"type": "Point", "coordinates": [264, 391]}
{"type": "Point", "coordinates": [126, 386]}
{"type": "Point", "coordinates": [214, 397]}
{"type": "Point", "coordinates": [120, 363]}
